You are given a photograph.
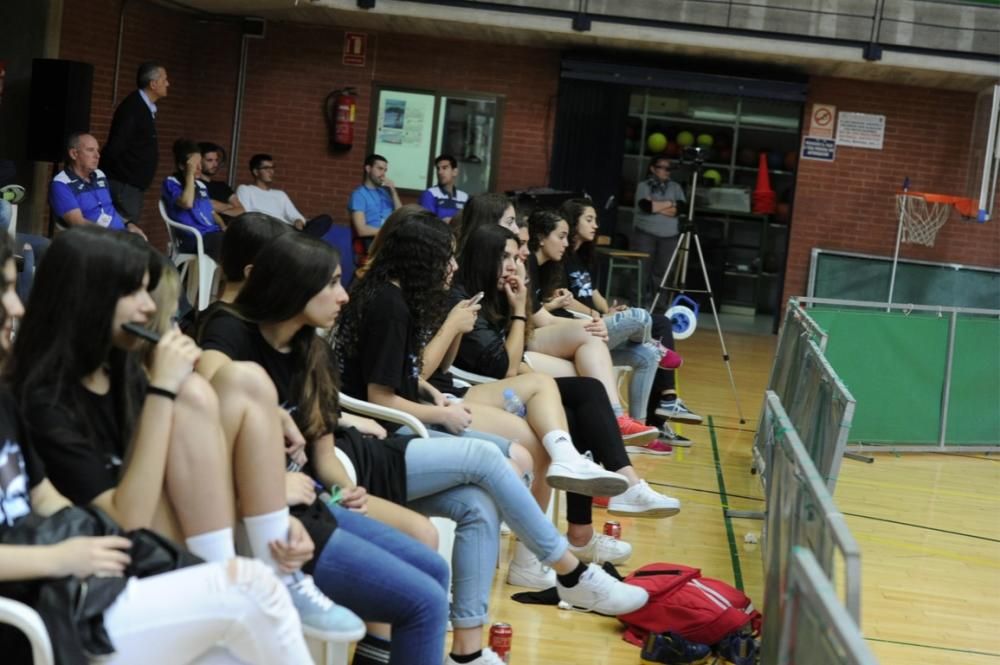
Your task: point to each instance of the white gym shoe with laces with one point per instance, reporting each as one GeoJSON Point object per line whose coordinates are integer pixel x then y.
{"type": "Point", "coordinates": [581, 475]}
{"type": "Point", "coordinates": [602, 548]}
{"type": "Point", "coordinates": [643, 501]}
{"type": "Point", "coordinates": [599, 592]}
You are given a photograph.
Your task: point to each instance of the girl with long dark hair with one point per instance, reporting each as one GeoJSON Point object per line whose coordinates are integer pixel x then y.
{"type": "Point", "coordinates": [496, 344]}
{"type": "Point", "coordinates": [237, 611]}
{"type": "Point", "coordinates": [294, 289]}
{"type": "Point", "coordinates": [157, 450]}
{"type": "Point", "coordinates": [629, 323]}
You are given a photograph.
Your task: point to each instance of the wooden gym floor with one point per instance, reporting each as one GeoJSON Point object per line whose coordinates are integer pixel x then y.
{"type": "Point", "coordinates": [928, 526]}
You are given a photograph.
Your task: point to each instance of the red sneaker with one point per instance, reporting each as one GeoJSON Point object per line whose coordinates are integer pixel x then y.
{"type": "Point", "coordinates": [657, 447]}
{"type": "Point", "coordinates": [602, 501]}
{"type": "Point", "coordinates": [635, 432]}
{"type": "Point", "coordinates": [671, 360]}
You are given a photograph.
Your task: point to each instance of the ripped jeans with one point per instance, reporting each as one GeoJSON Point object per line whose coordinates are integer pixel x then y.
{"type": "Point", "coordinates": [630, 340]}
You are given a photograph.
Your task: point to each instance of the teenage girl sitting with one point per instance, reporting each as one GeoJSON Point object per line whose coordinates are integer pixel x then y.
{"type": "Point", "coordinates": [233, 612]}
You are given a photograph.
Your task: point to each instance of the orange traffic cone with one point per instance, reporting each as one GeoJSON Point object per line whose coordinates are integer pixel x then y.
{"type": "Point", "coordinates": [764, 200]}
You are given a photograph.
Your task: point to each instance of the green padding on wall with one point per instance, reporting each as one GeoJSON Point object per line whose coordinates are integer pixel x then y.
{"type": "Point", "coordinates": [894, 366]}
{"type": "Point", "coordinates": [974, 404]}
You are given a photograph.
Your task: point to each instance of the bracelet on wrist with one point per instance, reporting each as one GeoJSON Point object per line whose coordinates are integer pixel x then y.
{"type": "Point", "coordinates": [162, 392]}
{"type": "Point", "coordinates": [518, 317]}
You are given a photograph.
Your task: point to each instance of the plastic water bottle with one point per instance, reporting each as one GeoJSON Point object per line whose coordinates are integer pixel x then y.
{"type": "Point", "coordinates": [513, 404]}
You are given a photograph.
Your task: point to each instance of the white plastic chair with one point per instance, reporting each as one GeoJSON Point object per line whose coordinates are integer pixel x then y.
{"type": "Point", "coordinates": [205, 281]}
{"type": "Point", "coordinates": [27, 620]}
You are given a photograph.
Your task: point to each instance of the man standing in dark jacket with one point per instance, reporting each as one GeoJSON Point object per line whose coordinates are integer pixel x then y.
{"type": "Point", "coordinates": [131, 152]}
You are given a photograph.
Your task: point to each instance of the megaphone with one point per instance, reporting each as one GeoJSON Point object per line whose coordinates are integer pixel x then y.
{"type": "Point", "coordinates": [683, 319]}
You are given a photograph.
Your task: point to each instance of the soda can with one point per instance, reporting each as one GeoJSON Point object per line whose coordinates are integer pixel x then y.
{"type": "Point", "coordinates": [501, 636]}
{"type": "Point", "coordinates": [613, 528]}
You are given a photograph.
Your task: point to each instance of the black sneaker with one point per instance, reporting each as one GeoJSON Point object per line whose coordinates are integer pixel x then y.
{"type": "Point", "coordinates": [676, 409]}
{"type": "Point", "coordinates": [673, 438]}
{"type": "Point", "coordinates": [672, 649]}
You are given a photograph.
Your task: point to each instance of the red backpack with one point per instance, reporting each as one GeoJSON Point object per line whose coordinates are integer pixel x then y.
{"type": "Point", "coordinates": [698, 608]}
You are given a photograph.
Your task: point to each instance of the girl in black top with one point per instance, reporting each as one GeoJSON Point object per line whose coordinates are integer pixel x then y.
{"type": "Point", "coordinates": [161, 452]}
{"type": "Point", "coordinates": [241, 605]}
{"type": "Point", "coordinates": [577, 267]}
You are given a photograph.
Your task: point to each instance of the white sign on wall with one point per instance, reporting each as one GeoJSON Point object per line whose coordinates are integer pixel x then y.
{"type": "Point", "coordinates": [861, 130]}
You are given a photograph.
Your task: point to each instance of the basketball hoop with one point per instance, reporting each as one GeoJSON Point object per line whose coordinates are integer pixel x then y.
{"type": "Point", "coordinates": [922, 215]}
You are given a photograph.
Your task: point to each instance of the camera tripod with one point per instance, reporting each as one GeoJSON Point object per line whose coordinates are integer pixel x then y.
{"type": "Point", "coordinates": [683, 251]}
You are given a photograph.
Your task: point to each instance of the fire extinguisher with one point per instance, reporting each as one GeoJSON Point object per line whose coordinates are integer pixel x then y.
{"type": "Point", "coordinates": [341, 106]}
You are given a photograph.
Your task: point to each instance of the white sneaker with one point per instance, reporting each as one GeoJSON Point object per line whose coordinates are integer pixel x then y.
{"type": "Point", "coordinates": [602, 548]}
{"type": "Point", "coordinates": [599, 592]}
{"type": "Point", "coordinates": [643, 501]}
{"type": "Point", "coordinates": [581, 475]}
{"type": "Point", "coordinates": [489, 657]}
{"type": "Point", "coordinates": [526, 570]}
{"type": "Point", "coordinates": [321, 617]}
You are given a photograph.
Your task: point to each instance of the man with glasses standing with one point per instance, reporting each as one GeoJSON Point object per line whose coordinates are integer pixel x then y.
{"type": "Point", "coordinates": [656, 225]}
{"type": "Point", "coordinates": [263, 197]}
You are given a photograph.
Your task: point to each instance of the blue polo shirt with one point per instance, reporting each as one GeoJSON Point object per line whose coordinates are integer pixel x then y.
{"type": "Point", "coordinates": [443, 204]}
{"type": "Point", "coordinates": [375, 203]}
{"type": "Point", "coordinates": [69, 192]}
{"type": "Point", "coordinates": [199, 216]}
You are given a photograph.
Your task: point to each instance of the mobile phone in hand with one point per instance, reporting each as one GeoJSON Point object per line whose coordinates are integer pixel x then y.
{"type": "Point", "coordinates": [476, 298]}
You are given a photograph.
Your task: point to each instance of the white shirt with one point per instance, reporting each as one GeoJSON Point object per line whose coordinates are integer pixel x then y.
{"type": "Point", "coordinates": [273, 202]}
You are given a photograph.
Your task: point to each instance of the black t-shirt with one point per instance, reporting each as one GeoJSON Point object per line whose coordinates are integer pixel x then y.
{"type": "Point", "coordinates": [241, 340]}
{"type": "Point", "coordinates": [534, 282]}
{"type": "Point", "coordinates": [386, 349]}
{"type": "Point", "coordinates": [82, 451]}
{"type": "Point", "coordinates": [379, 465]}
{"type": "Point", "coordinates": [219, 190]}
{"type": "Point", "coordinates": [578, 279]}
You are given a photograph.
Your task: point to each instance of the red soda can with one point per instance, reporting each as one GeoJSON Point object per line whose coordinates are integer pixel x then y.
{"type": "Point", "coordinates": [501, 636]}
{"type": "Point", "coordinates": [613, 528]}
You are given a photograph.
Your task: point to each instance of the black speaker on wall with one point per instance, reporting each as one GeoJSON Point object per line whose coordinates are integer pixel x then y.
{"type": "Point", "coordinates": [60, 105]}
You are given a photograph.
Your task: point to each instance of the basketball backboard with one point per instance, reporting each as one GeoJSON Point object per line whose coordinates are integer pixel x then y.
{"type": "Point", "coordinates": [984, 153]}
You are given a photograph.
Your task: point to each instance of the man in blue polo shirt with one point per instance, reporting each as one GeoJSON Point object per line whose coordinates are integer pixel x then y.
{"type": "Point", "coordinates": [187, 201]}
{"type": "Point", "coordinates": [80, 193]}
{"type": "Point", "coordinates": [373, 201]}
{"type": "Point", "coordinates": [446, 200]}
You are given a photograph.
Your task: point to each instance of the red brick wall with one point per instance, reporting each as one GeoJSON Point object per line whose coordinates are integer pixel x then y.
{"type": "Point", "coordinates": [849, 204]}
{"type": "Point", "coordinates": [290, 73]}
{"type": "Point", "coordinates": [297, 66]}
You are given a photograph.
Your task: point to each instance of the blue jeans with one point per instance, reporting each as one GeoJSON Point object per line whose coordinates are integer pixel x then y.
{"type": "Point", "coordinates": [629, 337]}
{"type": "Point", "coordinates": [469, 481]}
{"type": "Point", "coordinates": [383, 575]}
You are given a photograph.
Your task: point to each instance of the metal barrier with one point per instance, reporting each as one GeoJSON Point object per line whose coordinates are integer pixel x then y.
{"type": "Point", "coordinates": [821, 410]}
{"type": "Point", "coordinates": [815, 629]}
{"type": "Point", "coordinates": [800, 512]}
{"type": "Point", "coordinates": [796, 330]}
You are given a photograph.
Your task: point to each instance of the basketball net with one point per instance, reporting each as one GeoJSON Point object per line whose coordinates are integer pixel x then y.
{"type": "Point", "coordinates": [922, 215]}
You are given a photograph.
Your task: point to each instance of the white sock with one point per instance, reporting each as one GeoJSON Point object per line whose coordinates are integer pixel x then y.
{"type": "Point", "coordinates": [559, 445]}
{"type": "Point", "coordinates": [213, 545]}
{"type": "Point", "coordinates": [261, 530]}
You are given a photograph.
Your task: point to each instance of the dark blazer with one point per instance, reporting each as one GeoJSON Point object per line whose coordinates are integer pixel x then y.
{"type": "Point", "coordinates": [131, 152]}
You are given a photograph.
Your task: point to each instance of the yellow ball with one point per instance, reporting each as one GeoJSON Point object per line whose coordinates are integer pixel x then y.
{"type": "Point", "coordinates": [656, 142]}
{"type": "Point", "coordinates": [705, 140]}
{"type": "Point", "coordinates": [712, 176]}
{"type": "Point", "coordinates": [684, 139]}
